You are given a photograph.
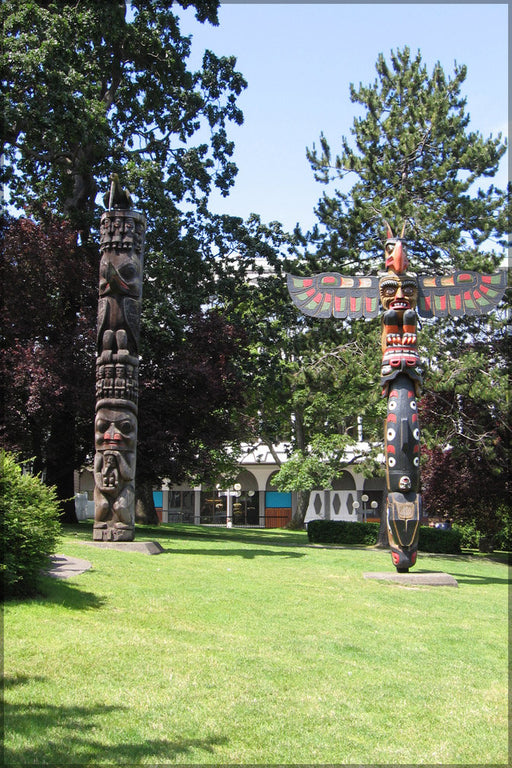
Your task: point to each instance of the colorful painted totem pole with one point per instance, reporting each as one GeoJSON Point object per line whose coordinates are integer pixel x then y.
{"type": "Point", "coordinates": [402, 295]}
{"type": "Point", "coordinates": [122, 234]}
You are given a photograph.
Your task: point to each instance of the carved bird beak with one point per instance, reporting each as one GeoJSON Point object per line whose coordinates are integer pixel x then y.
{"type": "Point", "coordinates": [397, 260]}
{"type": "Point", "coordinates": [114, 278]}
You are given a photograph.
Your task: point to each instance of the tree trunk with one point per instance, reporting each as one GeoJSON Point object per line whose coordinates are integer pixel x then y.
{"type": "Point", "coordinates": [382, 541]}
{"type": "Point", "coordinates": [145, 512]}
{"type": "Point", "coordinates": [60, 460]}
{"type": "Point", "coordinates": [297, 521]}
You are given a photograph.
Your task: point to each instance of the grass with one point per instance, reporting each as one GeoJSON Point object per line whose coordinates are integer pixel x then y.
{"type": "Point", "coordinates": [249, 647]}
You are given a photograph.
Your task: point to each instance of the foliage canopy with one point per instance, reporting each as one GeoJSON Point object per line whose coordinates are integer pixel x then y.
{"type": "Point", "coordinates": [95, 88]}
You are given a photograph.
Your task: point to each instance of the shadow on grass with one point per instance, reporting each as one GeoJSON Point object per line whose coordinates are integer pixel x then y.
{"type": "Point", "coordinates": [467, 578]}
{"type": "Point", "coordinates": [248, 554]}
{"type": "Point", "coordinates": [67, 595]}
{"type": "Point", "coordinates": [10, 681]}
{"type": "Point", "coordinates": [269, 537]}
{"type": "Point", "coordinates": [174, 533]}
{"type": "Point", "coordinates": [69, 736]}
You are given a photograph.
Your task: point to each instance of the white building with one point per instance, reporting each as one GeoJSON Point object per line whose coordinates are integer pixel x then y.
{"type": "Point", "coordinates": [252, 501]}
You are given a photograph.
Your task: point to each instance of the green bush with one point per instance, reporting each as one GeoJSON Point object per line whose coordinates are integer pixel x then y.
{"type": "Point", "coordinates": [29, 528]}
{"type": "Point", "coordinates": [503, 536]}
{"type": "Point", "coordinates": [366, 534]}
{"type": "Point", "coordinates": [499, 537]}
{"type": "Point", "coordinates": [469, 534]}
{"type": "Point", "coordinates": [343, 532]}
{"type": "Point", "coordinates": [439, 540]}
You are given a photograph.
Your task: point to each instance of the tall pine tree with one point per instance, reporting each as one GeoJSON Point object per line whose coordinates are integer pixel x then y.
{"type": "Point", "coordinates": [412, 158]}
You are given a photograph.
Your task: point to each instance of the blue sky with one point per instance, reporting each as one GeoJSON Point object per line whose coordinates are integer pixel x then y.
{"type": "Point", "coordinates": [299, 59]}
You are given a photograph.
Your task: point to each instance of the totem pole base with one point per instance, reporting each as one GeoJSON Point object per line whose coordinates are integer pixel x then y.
{"type": "Point", "coordinates": [403, 518]}
{"type": "Point", "coordinates": [104, 532]}
{"type": "Point", "coordinates": [434, 579]}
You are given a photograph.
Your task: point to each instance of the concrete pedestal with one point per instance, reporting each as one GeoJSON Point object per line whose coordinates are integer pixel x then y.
{"type": "Point", "coordinates": [435, 579]}
{"type": "Point", "coordinates": [146, 547]}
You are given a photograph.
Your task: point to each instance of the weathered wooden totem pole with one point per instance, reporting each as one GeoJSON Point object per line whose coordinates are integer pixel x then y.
{"type": "Point", "coordinates": [402, 295]}
{"type": "Point", "coordinates": [122, 234]}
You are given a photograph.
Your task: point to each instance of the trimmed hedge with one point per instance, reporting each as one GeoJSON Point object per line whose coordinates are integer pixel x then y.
{"type": "Point", "coordinates": [439, 540]}
{"type": "Point", "coordinates": [366, 534]}
{"type": "Point", "coordinates": [343, 532]}
{"type": "Point", "coordinates": [29, 528]}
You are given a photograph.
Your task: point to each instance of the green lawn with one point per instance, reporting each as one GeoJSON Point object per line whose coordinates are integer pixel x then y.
{"type": "Point", "coordinates": [246, 647]}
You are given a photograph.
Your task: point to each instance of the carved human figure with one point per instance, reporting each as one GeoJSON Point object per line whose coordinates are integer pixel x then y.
{"type": "Point", "coordinates": [110, 472]}
{"type": "Point", "coordinates": [120, 381]}
{"type": "Point", "coordinates": [114, 466]}
{"type": "Point", "coordinates": [398, 296]}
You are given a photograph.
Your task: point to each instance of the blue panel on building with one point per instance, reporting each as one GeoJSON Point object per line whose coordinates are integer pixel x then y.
{"type": "Point", "coordinates": [158, 498]}
{"type": "Point", "coordinates": [274, 499]}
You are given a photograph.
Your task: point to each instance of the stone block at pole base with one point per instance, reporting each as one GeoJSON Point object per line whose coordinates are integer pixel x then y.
{"type": "Point", "coordinates": [116, 532]}
{"type": "Point", "coordinates": [434, 579]}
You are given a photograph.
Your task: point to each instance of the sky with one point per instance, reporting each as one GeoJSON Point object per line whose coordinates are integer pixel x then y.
{"type": "Point", "coordinates": [299, 60]}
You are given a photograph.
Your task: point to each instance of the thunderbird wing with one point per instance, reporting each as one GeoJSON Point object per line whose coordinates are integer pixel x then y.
{"type": "Point", "coordinates": [332, 295]}
{"type": "Point", "coordinates": [461, 293]}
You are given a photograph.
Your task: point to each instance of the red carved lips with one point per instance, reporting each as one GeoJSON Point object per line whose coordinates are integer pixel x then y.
{"type": "Point", "coordinates": [112, 440]}
{"type": "Point", "coordinates": [400, 304]}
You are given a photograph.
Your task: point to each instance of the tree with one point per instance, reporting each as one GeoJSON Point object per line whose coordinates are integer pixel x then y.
{"type": "Point", "coordinates": [97, 86]}
{"type": "Point", "coordinates": [305, 378]}
{"type": "Point", "coordinates": [414, 160]}
{"type": "Point", "coordinates": [48, 317]}
{"type": "Point", "coordinates": [466, 413]}
{"type": "Point", "coordinates": [101, 87]}
{"type": "Point", "coordinates": [191, 408]}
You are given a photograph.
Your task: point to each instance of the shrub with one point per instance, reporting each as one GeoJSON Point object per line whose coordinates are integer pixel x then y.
{"type": "Point", "coordinates": [439, 540]}
{"type": "Point", "coordinates": [29, 527]}
{"type": "Point", "coordinates": [343, 532]}
{"type": "Point", "coordinates": [487, 540]}
{"type": "Point", "coordinates": [469, 535]}
{"type": "Point", "coordinates": [366, 534]}
{"type": "Point", "coordinates": [503, 536]}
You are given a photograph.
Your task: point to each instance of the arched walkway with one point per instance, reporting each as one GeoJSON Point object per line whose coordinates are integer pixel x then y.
{"type": "Point", "coordinates": [246, 501]}
{"type": "Point", "coordinates": [374, 488]}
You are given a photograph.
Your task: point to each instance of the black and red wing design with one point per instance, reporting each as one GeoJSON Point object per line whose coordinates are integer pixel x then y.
{"type": "Point", "coordinates": [333, 295]}
{"type": "Point", "coordinates": [461, 293]}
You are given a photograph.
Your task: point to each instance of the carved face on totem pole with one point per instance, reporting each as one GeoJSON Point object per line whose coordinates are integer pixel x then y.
{"type": "Point", "coordinates": [398, 292]}
{"type": "Point", "coordinates": [115, 429]}
{"type": "Point", "coordinates": [114, 466]}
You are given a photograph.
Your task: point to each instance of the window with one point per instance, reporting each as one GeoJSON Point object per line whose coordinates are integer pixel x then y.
{"type": "Point", "coordinates": [181, 507]}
